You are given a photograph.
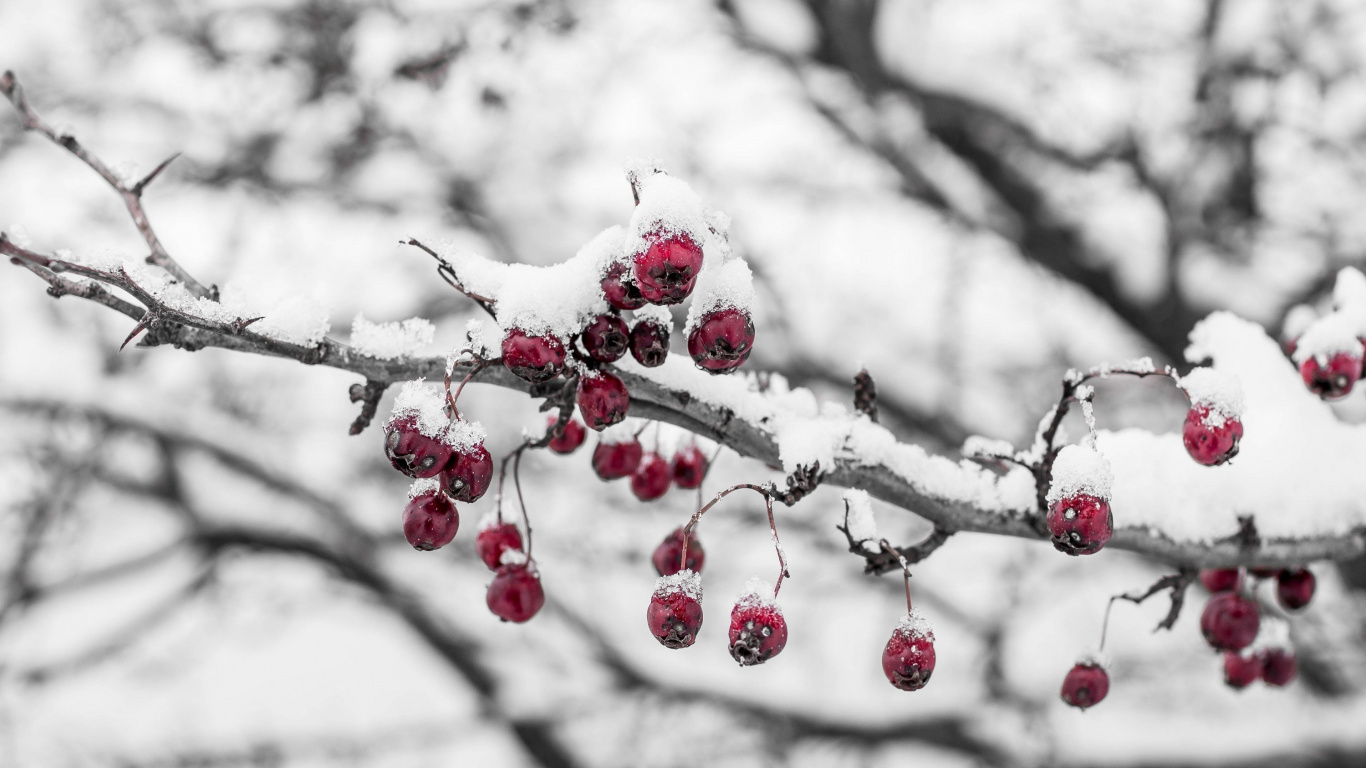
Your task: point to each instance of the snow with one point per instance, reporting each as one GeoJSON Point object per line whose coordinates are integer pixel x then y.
{"type": "Point", "coordinates": [477, 342]}
{"type": "Point", "coordinates": [668, 206]}
{"type": "Point", "coordinates": [758, 592]}
{"type": "Point", "coordinates": [512, 556]}
{"type": "Point", "coordinates": [859, 520]}
{"type": "Point", "coordinates": [1217, 390]}
{"type": "Point", "coordinates": [1298, 320]}
{"type": "Point", "coordinates": [1080, 469]}
{"type": "Point", "coordinates": [425, 401]}
{"type": "Point", "coordinates": [1272, 632]}
{"type": "Point", "coordinates": [725, 285]}
{"type": "Point", "coordinates": [465, 436]}
{"type": "Point", "coordinates": [685, 581]}
{"type": "Point", "coordinates": [1349, 292]}
{"type": "Point", "coordinates": [390, 341]}
{"type": "Point", "coordinates": [1342, 329]}
{"type": "Point", "coordinates": [621, 432]}
{"type": "Point", "coordinates": [660, 315]}
{"type": "Point", "coordinates": [1095, 658]}
{"type": "Point", "coordinates": [986, 447]}
{"type": "Point", "coordinates": [424, 485]}
{"type": "Point", "coordinates": [913, 625]}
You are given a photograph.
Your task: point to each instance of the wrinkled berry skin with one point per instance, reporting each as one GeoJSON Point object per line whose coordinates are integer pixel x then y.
{"type": "Point", "coordinates": [1333, 380]}
{"type": "Point", "coordinates": [722, 341]}
{"type": "Point", "coordinates": [674, 619]}
{"type": "Point", "coordinates": [1240, 670]}
{"type": "Point", "coordinates": [468, 476]}
{"type": "Point", "coordinates": [1080, 524]}
{"type": "Point", "coordinates": [667, 270]}
{"type": "Point", "coordinates": [649, 343]}
{"type": "Point", "coordinates": [758, 632]}
{"type": "Point", "coordinates": [515, 594]}
{"type": "Point", "coordinates": [690, 466]}
{"type": "Point", "coordinates": [1210, 445]}
{"type": "Point", "coordinates": [652, 478]}
{"type": "Point", "coordinates": [1085, 685]}
{"type": "Point", "coordinates": [619, 286]}
{"type": "Point", "coordinates": [430, 521]}
{"type": "Point", "coordinates": [603, 400]}
{"type": "Point", "coordinates": [1295, 588]}
{"type": "Point", "coordinates": [908, 660]}
{"type": "Point", "coordinates": [1278, 666]}
{"type": "Point", "coordinates": [616, 460]}
{"type": "Point", "coordinates": [669, 554]}
{"type": "Point", "coordinates": [1229, 622]}
{"type": "Point", "coordinates": [413, 453]}
{"type": "Point", "coordinates": [1219, 579]}
{"type": "Point", "coordinates": [606, 338]}
{"type": "Point", "coordinates": [570, 439]}
{"type": "Point", "coordinates": [533, 358]}
{"type": "Point", "coordinates": [492, 542]}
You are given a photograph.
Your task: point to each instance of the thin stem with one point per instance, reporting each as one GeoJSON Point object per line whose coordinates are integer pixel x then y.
{"type": "Point", "coordinates": [517, 483]}
{"type": "Point", "coordinates": [687, 529]}
{"type": "Point", "coordinates": [777, 546]}
{"type": "Point", "coordinates": [1105, 623]}
{"type": "Point", "coordinates": [451, 410]}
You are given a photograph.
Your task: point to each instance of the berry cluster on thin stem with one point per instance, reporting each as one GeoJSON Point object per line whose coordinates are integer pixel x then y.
{"type": "Point", "coordinates": [768, 493]}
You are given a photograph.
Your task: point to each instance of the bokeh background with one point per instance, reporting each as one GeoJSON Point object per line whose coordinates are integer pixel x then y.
{"type": "Point", "coordinates": [965, 197]}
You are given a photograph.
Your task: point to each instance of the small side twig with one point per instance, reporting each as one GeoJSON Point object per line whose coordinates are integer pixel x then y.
{"type": "Point", "coordinates": [368, 395]}
{"type": "Point", "coordinates": [447, 272]}
{"type": "Point", "coordinates": [1176, 582]}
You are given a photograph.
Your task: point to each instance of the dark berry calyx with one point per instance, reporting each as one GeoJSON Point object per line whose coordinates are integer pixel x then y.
{"type": "Point", "coordinates": [516, 594]}
{"type": "Point", "coordinates": [675, 611]}
{"type": "Point", "coordinates": [602, 398]}
{"type": "Point", "coordinates": [668, 556]}
{"type": "Point", "coordinates": [430, 520]}
{"type": "Point", "coordinates": [1085, 685]}
{"type": "Point", "coordinates": [722, 340]}
{"type": "Point", "coordinates": [616, 460]}
{"type": "Point", "coordinates": [1331, 378]}
{"type": "Point", "coordinates": [495, 539]}
{"type": "Point", "coordinates": [619, 287]}
{"type": "Point", "coordinates": [668, 267]}
{"type": "Point", "coordinates": [1080, 524]}
{"type": "Point", "coordinates": [652, 478]}
{"type": "Point", "coordinates": [533, 358]}
{"type": "Point", "coordinates": [758, 631]}
{"type": "Point", "coordinates": [649, 343]}
{"type": "Point", "coordinates": [606, 338]}
{"type": "Point", "coordinates": [908, 658]}
{"type": "Point", "coordinates": [1295, 588]}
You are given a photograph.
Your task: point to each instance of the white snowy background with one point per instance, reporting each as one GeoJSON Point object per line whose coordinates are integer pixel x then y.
{"type": "Point", "coordinates": [984, 194]}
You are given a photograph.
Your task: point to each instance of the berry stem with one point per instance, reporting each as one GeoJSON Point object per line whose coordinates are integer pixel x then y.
{"type": "Point", "coordinates": [1105, 622]}
{"type": "Point", "coordinates": [759, 489]}
{"type": "Point", "coordinates": [777, 546]}
{"type": "Point", "coordinates": [452, 411]}
{"type": "Point", "coordinates": [905, 570]}
{"type": "Point", "coordinates": [517, 483]}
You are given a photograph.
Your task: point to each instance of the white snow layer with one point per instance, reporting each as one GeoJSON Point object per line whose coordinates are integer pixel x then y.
{"type": "Point", "coordinates": [1080, 469]}
{"type": "Point", "coordinates": [685, 581]}
{"type": "Point", "coordinates": [722, 285]}
{"type": "Point", "coordinates": [914, 624]}
{"type": "Point", "coordinates": [758, 592]}
{"type": "Point", "coordinates": [1341, 330]}
{"type": "Point", "coordinates": [1217, 390]}
{"type": "Point", "coordinates": [389, 341]}
{"type": "Point", "coordinates": [859, 520]}
{"type": "Point", "coordinates": [667, 206]}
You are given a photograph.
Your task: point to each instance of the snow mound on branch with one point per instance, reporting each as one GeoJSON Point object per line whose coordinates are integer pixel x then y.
{"type": "Point", "coordinates": [859, 520]}
{"type": "Point", "coordinates": [1080, 469]}
{"type": "Point", "coordinates": [685, 582]}
{"type": "Point", "coordinates": [1216, 390]}
{"type": "Point", "coordinates": [390, 341]}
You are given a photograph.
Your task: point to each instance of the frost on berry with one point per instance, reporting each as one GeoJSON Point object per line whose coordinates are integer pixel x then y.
{"type": "Point", "coordinates": [430, 520]}
{"type": "Point", "coordinates": [649, 342]}
{"type": "Point", "coordinates": [1278, 666]}
{"type": "Point", "coordinates": [675, 612]}
{"type": "Point", "coordinates": [1329, 353]}
{"type": "Point", "coordinates": [1219, 579]}
{"type": "Point", "coordinates": [533, 358]}
{"type": "Point", "coordinates": [1085, 685]}
{"type": "Point", "coordinates": [1295, 588]}
{"type": "Point", "coordinates": [469, 474]}
{"type": "Point", "coordinates": [1241, 669]}
{"type": "Point", "coordinates": [415, 437]}
{"type": "Point", "coordinates": [494, 539]}
{"type": "Point", "coordinates": [1211, 437]}
{"type": "Point", "coordinates": [602, 398]}
{"type": "Point", "coordinates": [722, 340]}
{"type": "Point", "coordinates": [758, 631]}
{"type": "Point", "coordinates": [689, 466]}
{"type": "Point", "coordinates": [613, 460]}
{"type": "Point", "coordinates": [908, 658]}
{"type": "Point", "coordinates": [606, 338]}
{"type": "Point", "coordinates": [1229, 622]}
{"type": "Point", "coordinates": [515, 594]}
{"type": "Point", "coordinates": [570, 439]}
{"type": "Point", "coordinates": [668, 556]}
{"type": "Point", "coordinates": [652, 478]}
{"type": "Point", "coordinates": [1079, 517]}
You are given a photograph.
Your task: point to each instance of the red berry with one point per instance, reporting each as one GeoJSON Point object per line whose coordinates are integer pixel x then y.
{"type": "Point", "coordinates": [411, 452]}
{"type": "Point", "coordinates": [468, 476]}
{"type": "Point", "coordinates": [1242, 670]}
{"type": "Point", "coordinates": [494, 540]}
{"type": "Point", "coordinates": [649, 343]}
{"type": "Point", "coordinates": [758, 631]}
{"type": "Point", "coordinates": [603, 399]}
{"type": "Point", "coordinates": [722, 340]}
{"type": "Point", "coordinates": [1219, 579]}
{"type": "Point", "coordinates": [606, 338]}
{"type": "Point", "coordinates": [615, 460]}
{"type": "Point", "coordinates": [668, 268]}
{"type": "Point", "coordinates": [570, 439]}
{"type": "Point", "coordinates": [1211, 438]}
{"type": "Point", "coordinates": [668, 555]}
{"type": "Point", "coordinates": [533, 358]}
{"type": "Point", "coordinates": [619, 286]}
{"type": "Point", "coordinates": [1081, 524]}
{"type": "Point", "coordinates": [675, 612]}
{"type": "Point", "coordinates": [1086, 685]}
{"type": "Point", "coordinates": [652, 478]}
{"type": "Point", "coordinates": [430, 521]}
{"type": "Point", "coordinates": [1334, 379]}
{"type": "Point", "coordinates": [1230, 622]}
{"type": "Point", "coordinates": [690, 466]}
{"type": "Point", "coordinates": [908, 659]}
{"type": "Point", "coordinates": [1278, 666]}
{"type": "Point", "coordinates": [515, 594]}
{"type": "Point", "coordinates": [1295, 588]}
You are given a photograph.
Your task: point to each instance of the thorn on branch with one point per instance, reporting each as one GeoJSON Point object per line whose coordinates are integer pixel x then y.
{"type": "Point", "coordinates": [141, 185]}
{"type": "Point", "coordinates": [143, 324]}
{"type": "Point", "coordinates": [241, 324]}
{"type": "Point", "coordinates": [368, 395]}
{"type": "Point", "coordinates": [865, 395]}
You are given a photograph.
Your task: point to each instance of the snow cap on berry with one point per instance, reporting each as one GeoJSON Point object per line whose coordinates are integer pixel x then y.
{"type": "Point", "coordinates": [424, 485]}
{"type": "Point", "coordinates": [685, 582]}
{"type": "Point", "coordinates": [1080, 469]}
{"type": "Point", "coordinates": [729, 285]}
{"type": "Point", "coordinates": [1331, 334]}
{"type": "Point", "coordinates": [1218, 391]}
{"type": "Point", "coordinates": [758, 593]}
{"type": "Point", "coordinates": [1298, 320]}
{"type": "Point", "coordinates": [668, 206]}
{"type": "Point", "coordinates": [913, 625]}
{"type": "Point", "coordinates": [1094, 657]}
{"type": "Point", "coordinates": [859, 520]}
{"type": "Point", "coordinates": [426, 403]}
{"type": "Point", "coordinates": [512, 557]}
{"type": "Point", "coordinates": [657, 314]}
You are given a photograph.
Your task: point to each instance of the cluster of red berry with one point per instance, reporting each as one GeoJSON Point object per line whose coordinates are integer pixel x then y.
{"type": "Point", "coordinates": [1232, 618]}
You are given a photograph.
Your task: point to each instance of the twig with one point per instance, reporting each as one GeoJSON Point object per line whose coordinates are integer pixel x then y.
{"type": "Point", "coordinates": [447, 272]}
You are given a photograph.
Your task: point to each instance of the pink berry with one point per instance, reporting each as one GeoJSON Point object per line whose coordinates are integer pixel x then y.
{"type": "Point", "coordinates": [515, 594]}
{"type": "Point", "coordinates": [1242, 670]}
{"type": "Point", "coordinates": [1230, 622]}
{"type": "Point", "coordinates": [494, 540]}
{"type": "Point", "coordinates": [674, 617]}
{"type": "Point", "coordinates": [570, 439]}
{"type": "Point", "coordinates": [758, 631]}
{"type": "Point", "coordinates": [603, 399]}
{"type": "Point", "coordinates": [615, 460]}
{"type": "Point", "coordinates": [1278, 666]}
{"type": "Point", "coordinates": [468, 476]}
{"type": "Point", "coordinates": [1085, 685]}
{"type": "Point", "coordinates": [668, 268]}
{"type": "Point", "coordinates": [1081, 524]}
{"type": "Point", "coordinates": [649, 343]}
{"type": "Point", "coordinates": [1295, 588]}
{"type": "Point", "coordinates": [1211, 439]}
{"type": "Point", "coordinates": [690, 466]}
{"type": "Point", "coordinates": [652, 478]}
{"type": "Point", "coordinates": [606, 338]}
{"type": "Point", "coordinates": [668, 556]}
{"type": "Point", "coordinates": [413, 453]}
{"type": "Point", "coordinates": [1219, 579]}
{"type": "Point", "coordinates": [430, 521]}
{"type": "Point", "coordinates": [722, 341]}
{"type": "Point", "coordinates": [1333, 380]}
{"type": "Point", "coordinates": [619, 286]}
{"type": "Point", "coordinates": [533, 358]}
{"type": "Point", "coordinates": [908, 659]}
